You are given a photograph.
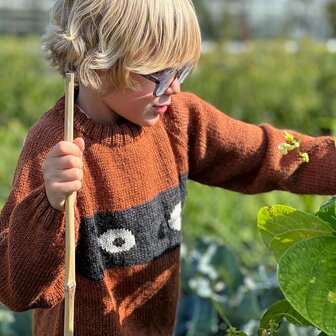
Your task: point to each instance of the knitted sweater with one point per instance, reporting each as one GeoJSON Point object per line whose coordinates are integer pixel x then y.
{"type": "Point", "coordinates": [128, 212]}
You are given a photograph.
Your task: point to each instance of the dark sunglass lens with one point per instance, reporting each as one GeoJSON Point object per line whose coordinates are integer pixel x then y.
{"type": "Point", "coordinates": [165, 81]}
{"type": "Point", "coordinates": [168, 76]}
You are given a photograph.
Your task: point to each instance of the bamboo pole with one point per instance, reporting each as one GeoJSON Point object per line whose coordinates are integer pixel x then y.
{"type": "Point", "coordinates": [70, 280]}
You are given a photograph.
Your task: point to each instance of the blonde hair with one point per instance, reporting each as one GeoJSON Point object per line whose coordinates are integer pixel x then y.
{"type": "Point", "coordinates": [117, 37]}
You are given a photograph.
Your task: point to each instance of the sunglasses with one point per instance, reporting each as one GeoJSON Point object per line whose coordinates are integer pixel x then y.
{"type": "Point", "coordinates": [164, 79]}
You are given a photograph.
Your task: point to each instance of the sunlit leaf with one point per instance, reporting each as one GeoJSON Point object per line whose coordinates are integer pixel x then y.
{"type": "Point", "coordinates": [307, 277]}
{"type": "Point", "coordinates": [282, 226]}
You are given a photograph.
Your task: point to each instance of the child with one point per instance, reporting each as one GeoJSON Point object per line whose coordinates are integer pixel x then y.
{"type": "Point", "coordinates": [138, 141]}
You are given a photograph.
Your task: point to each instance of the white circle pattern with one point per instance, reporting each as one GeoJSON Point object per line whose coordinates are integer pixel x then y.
{"type": "Point", "coordinates": [175, 221]}
{"type": "Point", "coordinates": [108, 240]}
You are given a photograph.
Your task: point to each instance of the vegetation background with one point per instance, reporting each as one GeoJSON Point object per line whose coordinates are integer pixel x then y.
{"type": "Point", "coordinates": [228, 275]}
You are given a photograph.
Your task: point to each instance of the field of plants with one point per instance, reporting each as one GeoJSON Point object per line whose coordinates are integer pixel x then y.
{"type": "Point", "coordinates": [228, 273]}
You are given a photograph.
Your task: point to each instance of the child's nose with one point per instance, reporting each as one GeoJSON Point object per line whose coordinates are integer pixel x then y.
{"type": "Point", "coordinates": [174, 87]}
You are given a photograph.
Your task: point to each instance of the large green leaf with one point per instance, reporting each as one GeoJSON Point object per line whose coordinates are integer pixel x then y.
{"type": "Point", "coordinates": [282, 226]}
{"type": "Point", "coordinates": [307, 277]}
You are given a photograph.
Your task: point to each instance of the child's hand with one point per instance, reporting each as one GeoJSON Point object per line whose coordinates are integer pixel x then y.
{"type": "Point", "coordinates": [63, 171]}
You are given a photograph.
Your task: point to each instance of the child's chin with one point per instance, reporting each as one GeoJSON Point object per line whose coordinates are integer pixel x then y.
{"type": "Point", "coordinates": [150, 122]}
{"type": "Point", "coordinates": [149, 125]}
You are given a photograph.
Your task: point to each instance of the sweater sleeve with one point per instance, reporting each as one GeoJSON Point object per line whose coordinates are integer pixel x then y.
{"type": "Point", "coordinates": [239, 156]}
{"type": "Point", "coordinates": [32, 246]}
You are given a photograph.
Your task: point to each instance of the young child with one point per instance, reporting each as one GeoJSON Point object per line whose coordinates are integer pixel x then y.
{"type": "Point", "coordinates": [138, 141]}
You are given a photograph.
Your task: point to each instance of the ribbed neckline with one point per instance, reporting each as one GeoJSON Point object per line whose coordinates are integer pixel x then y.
{"type": "Point", "coordinates": [110, 135]}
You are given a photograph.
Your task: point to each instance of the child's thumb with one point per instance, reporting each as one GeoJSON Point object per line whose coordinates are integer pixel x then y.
{"type": "Point", "coordinates": [80, 143]}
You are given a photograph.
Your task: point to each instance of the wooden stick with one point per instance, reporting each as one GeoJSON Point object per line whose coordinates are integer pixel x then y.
{"type": "Point", "coordinates": [70, 275]}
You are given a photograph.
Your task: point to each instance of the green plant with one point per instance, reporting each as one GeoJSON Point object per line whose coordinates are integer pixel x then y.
{"type": "Point", "coordinates": [292, 144]}
{"type": "Point", "coordinates": [28, 86]}
{"type": "Point", "coordinates": [6, 320]}
{"type": "Point", "coordinates": [304, 246]}
{"type": "Point", "coordinates": [15, 324]}
{"type": "Point", "coordinates": [11, 140]}
{"type": "Point", "coordinates": [221, 297]}
{"type": "Point", "coordinates": [266, 83]}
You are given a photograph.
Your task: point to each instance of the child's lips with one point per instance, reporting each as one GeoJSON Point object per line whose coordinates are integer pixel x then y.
{"type": "Point", "coordinates": [160, 109]}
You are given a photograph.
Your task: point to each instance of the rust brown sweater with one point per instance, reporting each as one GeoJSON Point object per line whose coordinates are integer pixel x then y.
{"type": "Point", "coordinates": [128, 213]}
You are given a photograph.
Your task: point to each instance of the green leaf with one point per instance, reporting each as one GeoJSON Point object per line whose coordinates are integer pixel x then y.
{"type": "Point", "coordinates": [277, 312]}
{"type": "Point", "coordinates": [282, 226]}
{"type": "Point", "coordinates": [327, 212]}
{"type": "Point", "coordinates": [281, 243]}
{"type": "Point", "coordinates": [234, 332]}
{"type": "Point", "coordinates": [288, 137]}
{"type": "Point", "coordinates": [307, 277]}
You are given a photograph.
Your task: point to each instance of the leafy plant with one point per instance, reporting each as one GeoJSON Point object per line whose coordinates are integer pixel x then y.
{"type": "Point", "coordinates": [28, 86]}
{"type": "Point", "coordinates": [6, 320]}
{"type": "Point", "coordinates": [292, 144]}
{"type": "Point", "coordinates": [221, 297]}
{"type": "Point", "coordinates": [304, 246]}
{"type": "Point", "coordinates": [11, 140]}
{"type": "Point", "coordinates": [15, 324]}
{"type": "Point", "coordinates": [263, 82]}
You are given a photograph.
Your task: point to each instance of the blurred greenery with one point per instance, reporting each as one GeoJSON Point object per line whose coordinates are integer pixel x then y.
{"type": "Point", "coordinates": [330, 11]}
{"type": "Point", "coordinates": [15, 324]}
{"type": "Point", "coordinates": [289, 84]}
{"type": "Point", "coordinates": [28, 86]}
